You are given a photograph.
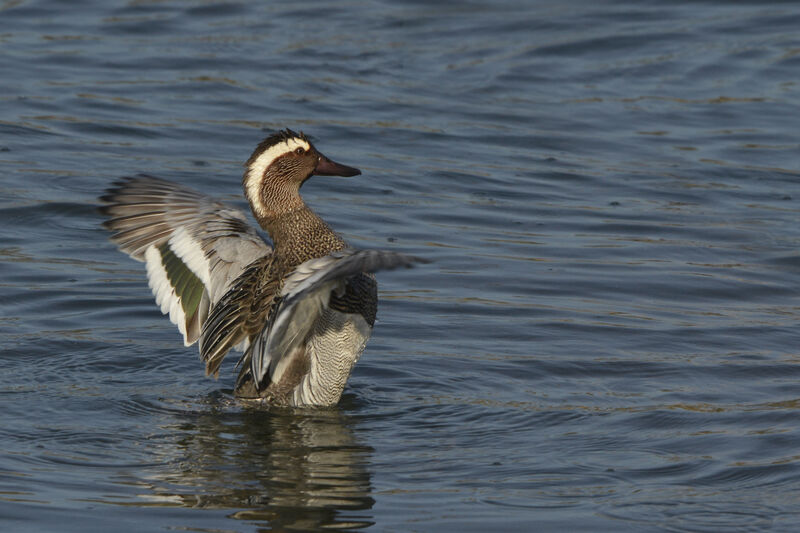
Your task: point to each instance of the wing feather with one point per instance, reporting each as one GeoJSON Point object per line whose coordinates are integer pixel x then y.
{"type": "Point", "coordinates": [185, 239]}
{"type": "Point", "coordinates": [304, 296]}
{"type": "Point", "coordinates": [240, 313]}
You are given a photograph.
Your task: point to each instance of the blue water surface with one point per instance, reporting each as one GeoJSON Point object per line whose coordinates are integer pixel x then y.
{"type": "Point", "coordinates": [607, 339]}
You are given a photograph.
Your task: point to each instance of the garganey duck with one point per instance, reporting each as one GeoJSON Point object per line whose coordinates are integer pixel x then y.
{"type": "Point", "coordinates": [301, 310]}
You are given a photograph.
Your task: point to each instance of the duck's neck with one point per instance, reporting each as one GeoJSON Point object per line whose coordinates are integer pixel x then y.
{"type": "Point", "coordinates": [300, 234]}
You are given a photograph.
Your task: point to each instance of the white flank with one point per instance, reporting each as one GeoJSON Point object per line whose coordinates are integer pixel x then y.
{"type": "Point", "coordinates": [255, 174]}
{"type": "Point", "coordinates": [341, 343]}
{"type": "Point", "coordinates": [164, 291]}
{"type": "Point", "coordinates": [292, 325]}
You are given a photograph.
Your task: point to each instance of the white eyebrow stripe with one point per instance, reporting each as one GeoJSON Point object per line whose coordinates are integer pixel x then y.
{"type": "Point", "coordinates": [255, 173]}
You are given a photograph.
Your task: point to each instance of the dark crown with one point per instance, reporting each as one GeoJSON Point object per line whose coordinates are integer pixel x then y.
{"type": "Point", "coordinates": [272, 140]}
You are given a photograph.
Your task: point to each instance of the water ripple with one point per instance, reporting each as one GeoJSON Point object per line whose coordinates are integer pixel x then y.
{"type": "Point", "coordinates": [606, 339]}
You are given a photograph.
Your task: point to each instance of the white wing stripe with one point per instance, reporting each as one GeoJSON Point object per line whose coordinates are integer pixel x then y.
{"type": "Point", "coordinates": [165, 295]}
{"type": "Point", "coordinates": [190, 251]}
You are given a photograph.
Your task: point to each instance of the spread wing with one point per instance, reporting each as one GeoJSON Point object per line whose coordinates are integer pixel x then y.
{"type": "Point", "coordinates": [314, 286]}
{"type": "Point", "coordinates": [193, 246]}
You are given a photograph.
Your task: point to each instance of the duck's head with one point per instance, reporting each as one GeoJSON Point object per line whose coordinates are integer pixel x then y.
{"type": "Point", "coordinates": [278, 167]}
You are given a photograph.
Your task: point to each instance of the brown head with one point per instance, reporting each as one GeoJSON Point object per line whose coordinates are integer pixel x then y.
{"type": "Point", "coordinates": [278, 167]}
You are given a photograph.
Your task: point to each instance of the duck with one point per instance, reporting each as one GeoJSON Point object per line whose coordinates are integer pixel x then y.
{"type": "Point", "coordinates": [300, 305]}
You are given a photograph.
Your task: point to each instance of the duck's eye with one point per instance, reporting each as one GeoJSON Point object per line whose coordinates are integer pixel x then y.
{"type": "Point", "coordinates": [299, 151]}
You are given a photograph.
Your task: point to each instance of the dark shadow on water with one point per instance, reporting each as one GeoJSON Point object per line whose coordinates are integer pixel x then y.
{"type": "Point", "coordinates": [280, 469]}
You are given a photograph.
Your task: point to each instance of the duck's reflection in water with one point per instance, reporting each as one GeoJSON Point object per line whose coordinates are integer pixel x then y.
{"type": "Point", "coordinates": [292, 469]}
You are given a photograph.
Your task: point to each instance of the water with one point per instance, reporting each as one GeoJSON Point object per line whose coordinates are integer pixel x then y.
{"type": "Point", "coordinates": [607, 338]}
